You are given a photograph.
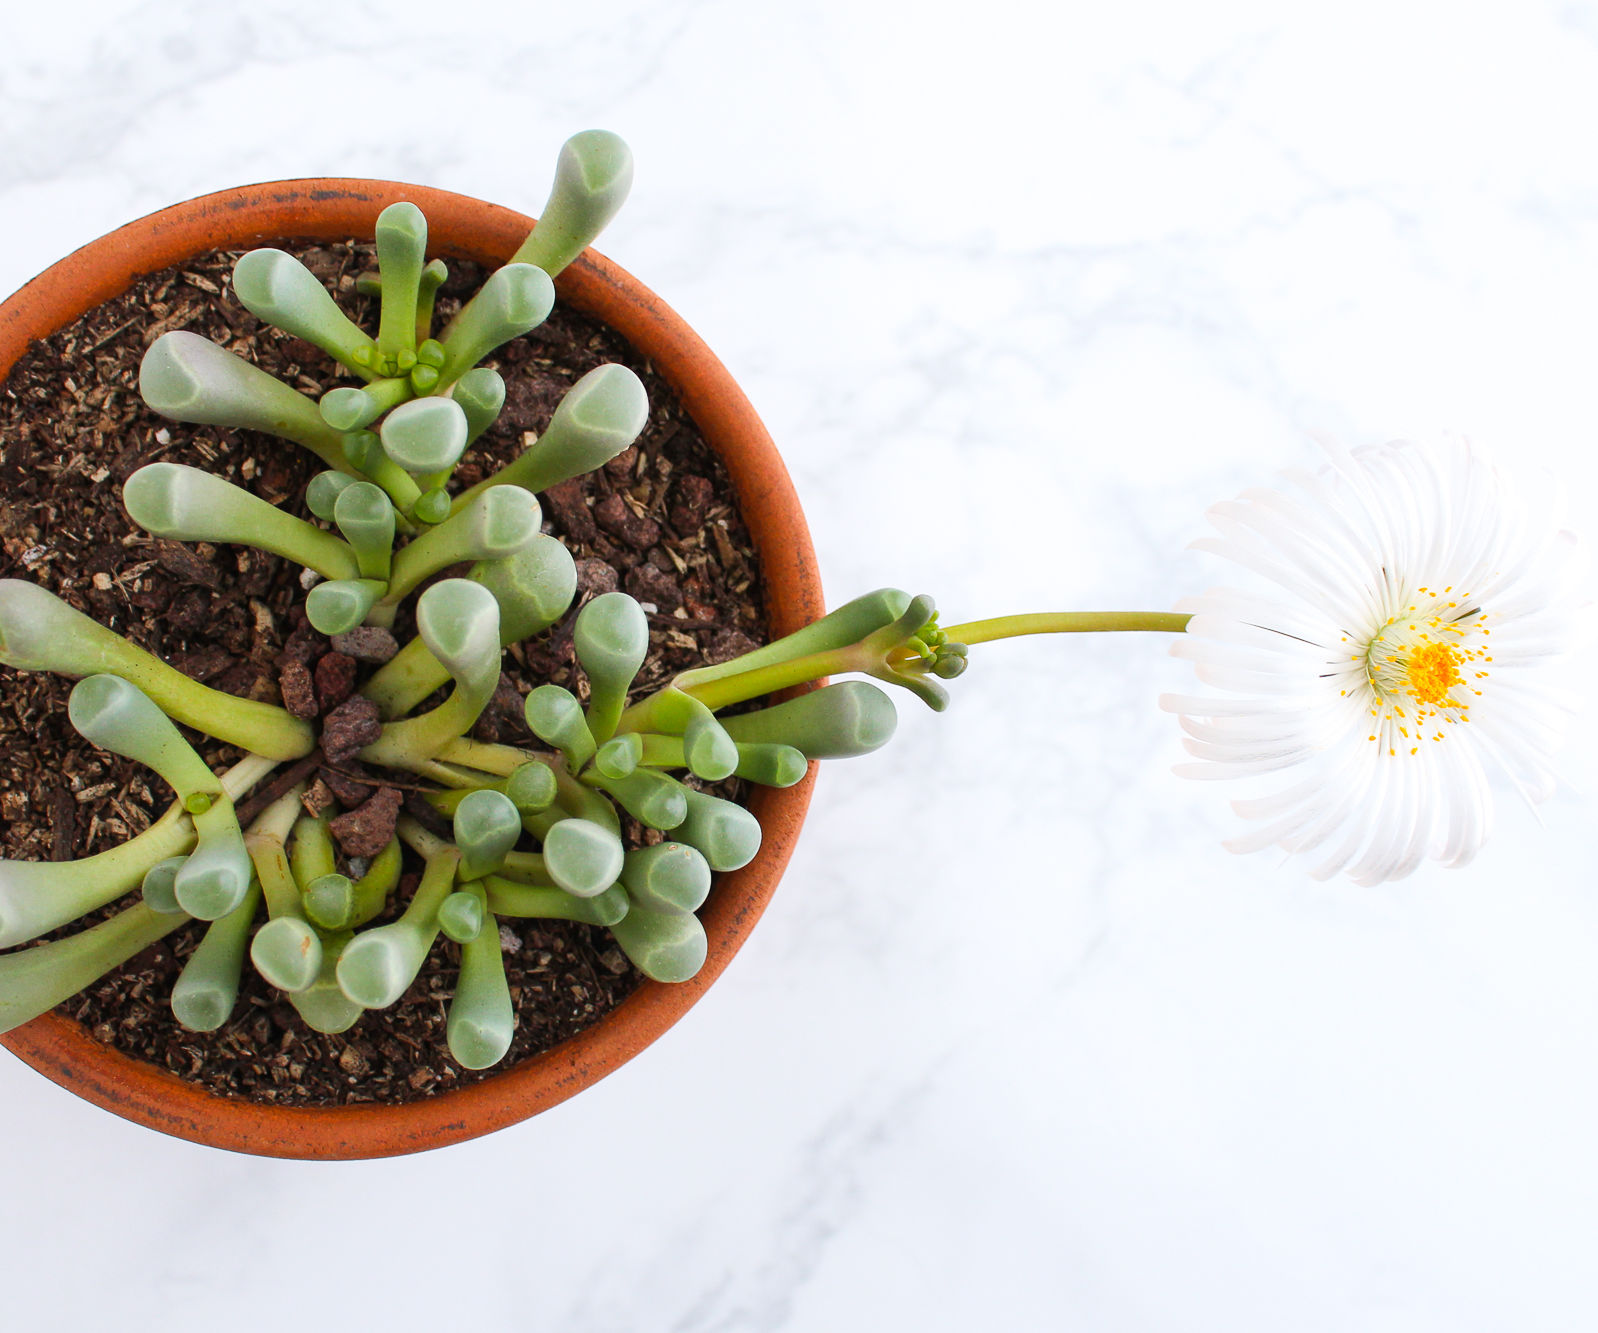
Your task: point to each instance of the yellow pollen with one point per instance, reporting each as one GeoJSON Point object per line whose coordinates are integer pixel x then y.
{"type": "Point", "coordinates": [1432, 671]}
{"type": "Point", "coordinates": [1427, 661]}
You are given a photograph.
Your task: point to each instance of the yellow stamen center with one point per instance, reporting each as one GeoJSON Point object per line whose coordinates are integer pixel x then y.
{"type": "Point", "coordinates": [1417, 666]}
{"type": "Point", "coordinates": [1433, 670]}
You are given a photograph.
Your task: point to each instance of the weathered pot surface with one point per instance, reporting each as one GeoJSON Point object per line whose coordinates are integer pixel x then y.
{"type": "Point", "coordinates": [336, 209]}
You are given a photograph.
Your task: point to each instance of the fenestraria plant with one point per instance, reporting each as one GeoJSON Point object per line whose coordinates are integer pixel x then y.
{"type": "Point", "coordinates": [1420, 599]}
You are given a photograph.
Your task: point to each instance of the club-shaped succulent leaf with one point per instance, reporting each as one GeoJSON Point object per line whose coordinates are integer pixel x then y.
{"type": "Point", "coordinates": [158, 888]}
{"type": "Point", "coordinates": [481, 1019]}
{"type": "Point", "coordinates": [312, 853]}
{"type": "Point", "coordinates": [351, 409]}
{"type": "Point", "coordinates": [215, 878]}
{"type": "Point", "coordinates": [648, 795]}
{"type": "Point", "coordinates": [322, 1005]}
{"type": "Point", "coordinates": [365, 516]}
{"type": "Point", "coordinates": [425, 435]}
{"type": "Point", "coordinates": [669, 877]}
{"type": "Point", "coordinates": [727, 834]}
{"type": "Point", "coordinates": [481, 395]}
{"type": "Point", "coordinates": [339, 605]}
{"type": "Point", "coordinates": [189, 378]}
{"type": "Point", "coordinates": [611, 640]}
{"type": "Point", "coordinates": [771, 765]}
{"type": "Point", "coordinates": [321, 494]}
{"type": "Point", "coordinates": [556, 718]}
{"type": "Point", "coordinates": [33, 981]}
{"type": "Point", "coordinates": [495, 526]}
{"type": "Point", "coordinates": [459, 622]}
{"type": "Point", "coordinates": [432, 506]}
{"type": "Point", "coordinates": [122, 718]}
{"type": "Point", "coordinates": [593, 175]}
{"type": "Point", "coordinates": [40, 632]}
{"type": "Point", "coordinates": [347, 408]}
{"type": "Point", "coordinates": [208, 987]}
{"type": "Point", "coordinates": [487, 825]}
{"type": "Point", "coordinates": [461, 915]}
{"type": "Point", "coordinates": [749, 675]}
{"type": "Point", "coordinates": [288, 952]}
{"type": "Point", "coordinates": [279, 289]}
{"type": "Point", "coordinates": [181, 502]}
{"type": "Point", "coordinates": [601, 415]}
{"type": "Point", "coordinates": [508, 897]}
{"type": "Point", "coordinates": [401, 255]}
{"type": "Point", "coordinates": [851, 717]}
{"type": "Point", "coordinates": [619, 756]}
{"type": "Point", "coordinates": [330, 901]}
{"type": "Point", "coordinates": [373, 888]}
{"type": "Point", "coordinates": [378, 964]}
{"type": "Point", "coordinates": [533, 588]}
{"type": "Point", "coordinates": [663, 946]}
{"type": "Point", "coordinates": [434, 275]}
{"type": "Point", "coordinates": [515, 298]}
{"type": "Point", "coordinates": [532, 787]}
{"type": "Point", "coordinates": [708, 750]}
{"type": "Point", "coordinates": [582, 857]}
{"type": "Point", "coordinates": [364, 451]}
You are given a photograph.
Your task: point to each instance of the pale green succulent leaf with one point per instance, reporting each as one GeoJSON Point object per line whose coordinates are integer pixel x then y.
{"type": "Point", "coordinates": [279, 289]}
{"type": "Point", "coordinates": [593, 175]}
{"type": "Point", "coordinates": [663, 946]}
{"type": "Point", "coordinates": [670, 877]}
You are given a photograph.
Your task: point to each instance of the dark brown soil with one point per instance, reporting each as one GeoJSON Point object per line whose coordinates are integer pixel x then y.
{"type": "Point", "coordinates": [656, 522]}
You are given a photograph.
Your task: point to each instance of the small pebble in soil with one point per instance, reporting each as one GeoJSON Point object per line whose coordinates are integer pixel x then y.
{"type": "Point", "coordinates": [350, 728]}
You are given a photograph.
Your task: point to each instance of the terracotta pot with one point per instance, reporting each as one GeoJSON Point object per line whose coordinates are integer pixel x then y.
{"type": "Point", "coordinates": [326, 210]}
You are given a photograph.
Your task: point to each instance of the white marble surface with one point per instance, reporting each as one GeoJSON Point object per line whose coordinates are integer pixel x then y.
{"type": "Point", "coordinates": [1020, 290]}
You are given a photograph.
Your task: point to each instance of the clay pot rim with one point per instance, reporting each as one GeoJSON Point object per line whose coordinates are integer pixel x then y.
{"type": "Point", "coordinates": [336, 209]}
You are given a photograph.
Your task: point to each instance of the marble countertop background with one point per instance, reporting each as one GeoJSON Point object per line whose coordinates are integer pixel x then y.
{"type": "Point", "coordinates": [1019, 290]}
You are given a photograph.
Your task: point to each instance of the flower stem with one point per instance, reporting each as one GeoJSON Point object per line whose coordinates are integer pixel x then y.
{"type": "Point", "coordinates": [1064, 622]}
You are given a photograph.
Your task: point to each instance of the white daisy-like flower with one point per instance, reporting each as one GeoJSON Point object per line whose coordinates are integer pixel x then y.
{"type": "Point", "coordinates": [1400, 659]}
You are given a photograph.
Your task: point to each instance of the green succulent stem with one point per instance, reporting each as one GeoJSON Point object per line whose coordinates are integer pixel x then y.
{"type": "Point", "coordinates": [646, 714]}
{"type": "Point", "coordinates": [266, 842]}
